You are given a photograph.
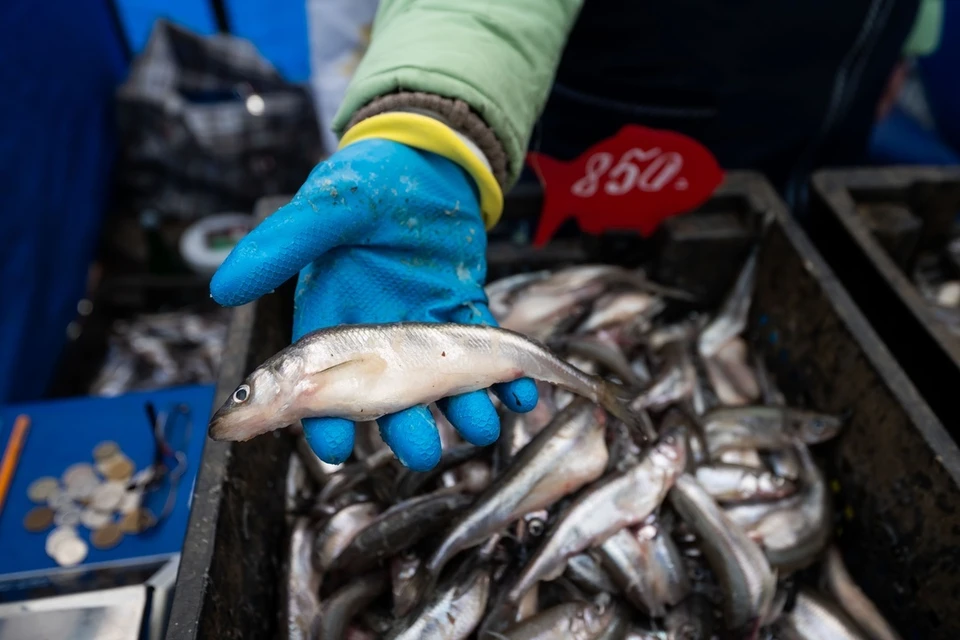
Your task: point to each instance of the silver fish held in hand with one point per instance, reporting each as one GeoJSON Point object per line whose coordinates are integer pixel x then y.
{"type": "Point", "coordinates": [363, 372]}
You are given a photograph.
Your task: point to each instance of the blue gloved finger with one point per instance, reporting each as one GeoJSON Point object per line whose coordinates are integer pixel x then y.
{"type": "Point", "coordinates": [413, 436]}
{"type": "Point", "coordinates": [473, 416]}
{"type": "Point", "coordinates": [330, 438]}
{"type": "Point", "coordinates": [519, 395]}
{"type": "Point", "coordinates": [283, 244]}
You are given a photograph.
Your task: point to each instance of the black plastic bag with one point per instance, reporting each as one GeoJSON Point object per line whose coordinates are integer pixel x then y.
{"type": "Point", "coordinates": [208, 125]}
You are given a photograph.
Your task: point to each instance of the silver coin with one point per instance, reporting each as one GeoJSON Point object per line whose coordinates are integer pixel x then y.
{"type": "Point", "coordinates": [77, 473]}
{"type": "Point", "coordinates": [70, 552]}
{"type": "Point", "coordinates": [82, 490]}
{"type": "Point", "coordinates": [59, 500]}
{"type": "Point", "coordinates": [69, 517]}
{"type": "Point", "coordinates": [41, 489]}
{"type": "Point", "coordinates": [130, 502]}
{"type": "Point", "coordinates": [107, 496]}
{"type": "Point", "coordinates": [57, 536]}
{"type": "Point", "coordinates": [94, 520]}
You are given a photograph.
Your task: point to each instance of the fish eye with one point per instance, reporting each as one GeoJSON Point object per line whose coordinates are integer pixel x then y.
{"type": "Point", "coordinates": [242, 393]}
{"type": "Point", "coordinates": [535, 527]}
{"type": "Point", "coordinates": [818, 425]}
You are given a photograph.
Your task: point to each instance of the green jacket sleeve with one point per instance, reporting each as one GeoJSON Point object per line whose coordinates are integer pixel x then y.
{"type": "Point", "coordinates": [924, 38]}
{"type": "Point", "coordinates": [498, 56]}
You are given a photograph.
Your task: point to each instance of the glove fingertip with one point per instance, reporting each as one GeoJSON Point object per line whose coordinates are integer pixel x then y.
{"type": "Point", "coordinates": [473, 416]}
{"type": "Point", "coordinates": [520, 396]}
{"type": "Point", "coordinates": [330, 438]}
{"type": "Point", "coordinates": [413, 436]}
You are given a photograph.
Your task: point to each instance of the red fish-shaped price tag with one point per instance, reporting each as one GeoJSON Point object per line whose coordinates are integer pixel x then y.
{"type": "Point", "coordinates": [630, 181]}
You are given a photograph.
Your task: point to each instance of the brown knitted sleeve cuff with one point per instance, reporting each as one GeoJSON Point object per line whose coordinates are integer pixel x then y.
{"type": "Point", "coordinates": [457, 114]}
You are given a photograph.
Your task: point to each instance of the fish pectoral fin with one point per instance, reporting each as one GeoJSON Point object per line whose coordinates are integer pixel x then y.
{"type": "Point", "coordinates": [360, 366]}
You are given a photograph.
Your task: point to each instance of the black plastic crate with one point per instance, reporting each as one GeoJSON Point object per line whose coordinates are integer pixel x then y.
{"type": "Point", "coordinates": [871, 225]}
{"type": "Point", "coordinates": [897, 469]}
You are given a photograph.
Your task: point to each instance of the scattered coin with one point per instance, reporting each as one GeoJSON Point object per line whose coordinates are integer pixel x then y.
{"type": "Point", "coordinates": [116, 467]}
{"type": "Point", "coordinates": [41, 489]}
{"type": "Point", "coordinates": [93, 519]}
{"type": "Point", "coordinates": [137, 521]}
{"type": "Point", "coordinates": [59, 500]}
{"type": "Point", "coordinates": [107, 496]}
{"type": "Point", "coordinates": [107, 537]}
{"type": "Point", "coordinates": [130, 501]}
{"type": "Point", "coordinates": [70, 552]}
{"type": "Point", "coordinates": [105, 449]}
{"type": "Point", "coordinates": [38, 519]}
{"type": "Point", "coordinates": [82, 490]}
{"type": "Point", "coordinates": [67, 517]}
{"type": "Point", "coordinates": [57, 536]}
{"type": "Point", "coordinates": [77, 473]}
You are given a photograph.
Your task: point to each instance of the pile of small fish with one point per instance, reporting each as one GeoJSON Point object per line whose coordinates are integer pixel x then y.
{"type": "Point", "coordinates": [577, 523]}
{"type": "Point", "coordinates": [157, 350]}
{"type": "Point", "coordinates": [937, 276]}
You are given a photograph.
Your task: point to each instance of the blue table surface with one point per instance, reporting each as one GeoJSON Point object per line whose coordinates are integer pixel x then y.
{"type": "Point", "coordinates": [63, 432]}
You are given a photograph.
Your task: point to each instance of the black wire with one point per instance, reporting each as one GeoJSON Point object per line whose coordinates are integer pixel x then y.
{"type": "Point", "coordinates": [220, 14]}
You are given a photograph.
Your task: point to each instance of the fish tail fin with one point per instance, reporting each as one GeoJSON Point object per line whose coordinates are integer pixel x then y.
{"type": "Point", "coordinates": [614, 399]}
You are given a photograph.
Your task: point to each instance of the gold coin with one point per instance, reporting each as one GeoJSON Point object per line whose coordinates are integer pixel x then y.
{"type": "Point", "coordinates": [121, 470]}
{"type": "Point", "coordinates": [130, 523]}
{"type": "Point", "coordinates": [137, 521]}
{"type": "Point", "coordinates": [116, 467]}
{"type": "Point", "coordinates": [106, 537]}
{"type": "Point", "coordinates": [105, 449]}
{"type": "Point", "coordinates": [38, 519]}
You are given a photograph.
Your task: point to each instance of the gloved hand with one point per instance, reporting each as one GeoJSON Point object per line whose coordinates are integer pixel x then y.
{"type": "Point", "coordinates": [380, 232]}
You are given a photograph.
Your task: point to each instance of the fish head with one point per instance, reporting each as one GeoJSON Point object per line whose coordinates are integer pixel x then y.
{"type": "Point", "coordinates": [670, 451]}
{"type": "Point", "coordinates": [257, 406]}
{"type": "Point", "coordinates": [813, 427]}
{"type": "Point", "coordinates": [596, 616]}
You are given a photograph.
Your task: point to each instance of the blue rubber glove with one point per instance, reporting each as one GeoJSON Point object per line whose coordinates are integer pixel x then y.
{"type": "Point", "coordinates": [380, 232]}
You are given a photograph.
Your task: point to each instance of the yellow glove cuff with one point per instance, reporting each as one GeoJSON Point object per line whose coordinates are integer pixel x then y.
{"type": "Point", "coordinates": [425, 133]}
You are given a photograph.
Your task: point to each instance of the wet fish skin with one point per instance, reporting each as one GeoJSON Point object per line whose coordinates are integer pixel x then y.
{"type": "Point", "coordinates": [749, 584]}
{"type": "Point", "coordinates": [584, 571]}
{"type": "Point", "coordinates": [452, 612]}
{"type": "Point", "coordinates": [854, 601]}
{"type": "Point", "coordinates": [761, 427]}
{"type": "Point", "coordinates": [410, 483]}
{"type": "Point", "coordinates": [619, 501]}
{"type": "Point", "coordinates": [571, 621]}
{"type": "Point", "coordinates": [342, 527]}
{"type": "Point", "coordinates": [508, 498]}
{"type": "Point", "coordinates": [605, 354]}
{"type": "Point", "coordinates": [405, 583]}
{"type": "Point", "coordinates": [620, 307]}
{"type": "Point", "coordinates": [347, 602]}
{"type": "Point", "coordinates": [731, 319]}
{"type": "Point", "coordinates": [743, 458]}
{"type": "Point", "coordinates": [399, 527]}
{"type": "Point", "coordinates": [501, 293]}
{"type": "Point", "coordinates": [517, 429]}
{"type": "Point", "coordinates": [793, 537]}
{"type": "Point", "coordinates": [675, 382]}
{"type": "Point", "coordinates": [785, 463]}
{"type": "Point", "coordinates": [669, 579]}
{"type": "Point", "coordinates": [627, 562]}
{"type": "Point", "coordinates": [814, 618]}
{"type": "Point", "coordinates": [302, 585]}
{"type": "Point", "coordinates": [362, 372]}
{"type": "Point", "coordinates": [732, 483]}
